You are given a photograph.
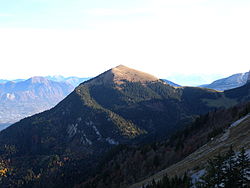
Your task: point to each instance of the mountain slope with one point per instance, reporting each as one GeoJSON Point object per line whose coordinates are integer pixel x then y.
{"type": "Point", "coordinates": [25, 98]}
{"type": "Point", "coordinates": [120, 167]}
{"type": "Point", "coordinates": [240, 93]}
{"type": "Point", "coordinates": [230, 82]}
{"type": "Point", "coordinates": [120, 106]}
{"type": "Point", "coordinates": [237, 135]}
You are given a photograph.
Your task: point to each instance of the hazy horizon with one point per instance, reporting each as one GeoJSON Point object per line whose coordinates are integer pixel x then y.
{"type": "Point", "coordinates": [182, 79]}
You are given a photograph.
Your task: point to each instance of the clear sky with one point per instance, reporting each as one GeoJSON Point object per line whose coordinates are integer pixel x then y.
{"type": "Point", "coordinates": [167, 38]}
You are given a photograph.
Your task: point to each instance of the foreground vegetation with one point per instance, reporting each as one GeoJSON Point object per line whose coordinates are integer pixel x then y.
{"type": "Point", "coordinates": [230, 170]}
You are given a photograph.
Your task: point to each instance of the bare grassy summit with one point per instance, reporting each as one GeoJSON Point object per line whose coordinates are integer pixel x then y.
{"type": "Point", "coordinates": [121, 73]}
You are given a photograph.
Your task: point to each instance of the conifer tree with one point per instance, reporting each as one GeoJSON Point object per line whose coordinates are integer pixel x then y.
{"type": "Point", "coordinates": [166, 181]}
{"type": "Point", "coordinates": [231, 171]}
{"type": "Point", "coordinates": [227, 171]}
{"type": "Point", "coordinates": [244, 169]}
{"type": "Point", "coordinates": [214, 176]}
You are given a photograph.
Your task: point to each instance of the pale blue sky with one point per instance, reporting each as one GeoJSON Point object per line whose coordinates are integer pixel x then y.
{"type": "Point", "coordinates": [163, 37]}
{"type": "Point", "coordinates": [65, 14]}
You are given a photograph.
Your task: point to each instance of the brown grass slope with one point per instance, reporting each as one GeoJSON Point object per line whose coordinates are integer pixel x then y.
{"type": "Point", "coordinates": [238, 137]}
{"type": "Point", "coordinates": [122, 73]}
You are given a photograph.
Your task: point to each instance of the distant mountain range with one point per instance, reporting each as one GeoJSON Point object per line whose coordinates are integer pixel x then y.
{"type": "Point", "coordinates": [21, 98]}
{"type": "Point", "coordinates": [73, 80]}
{"type": "Point", "coordinates": [3, 81]}
{"type": "Point", "coordinates": [25, 98]}
{"type": "Point", "coordinates": [120, 106]}
{"type": "Point", "coordinates": [230, 82]}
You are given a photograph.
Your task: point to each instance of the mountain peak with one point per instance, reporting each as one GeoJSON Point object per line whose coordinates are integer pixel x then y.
{"type": "Point", "coordinates": [123, 73]}
{"type": "Point", "coordinates": [38, 79]}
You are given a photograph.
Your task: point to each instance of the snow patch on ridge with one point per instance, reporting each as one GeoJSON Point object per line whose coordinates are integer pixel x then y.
{"type": "Point", "coordinates": [79, 119]}
{"type": "Point", "coordinates": [89, 123]}
{"type": "Point", "coordinates": [196, 177]}
{"type": "Point", "coordinates": [10, 96]}
{"type": "Point", "coordinates": [234, 124]}
{"type": "Point", "coordinates": [111, 141]}
{"type": "Point", "coordinates": [72, 130]}
{"type": "Point", "coordinates": [239, 121]}
{"type": "Point", "coordinates": [97, 132]}
{"type": "Point", "coordinates": [85, 140]}
{"type": "Point", "coordinates": [248, 152]}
